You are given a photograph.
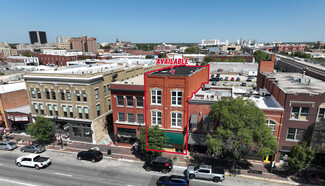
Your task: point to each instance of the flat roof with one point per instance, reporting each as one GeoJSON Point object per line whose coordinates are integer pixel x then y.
{"type": "Point", "coordinates": [265, 102]}
{"type": "Point", "coordinates": [289, 83]}
{"type": "Point", "coordinates": [178, 71]}
{"type": "Point", "coordinates": [137, 80]}
{"type": "Point", "coordinates": [11, 87]}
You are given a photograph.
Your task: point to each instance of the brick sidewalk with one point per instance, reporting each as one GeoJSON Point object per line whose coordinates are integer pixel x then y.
{"type": "Point", "coordinates": [122, 151]}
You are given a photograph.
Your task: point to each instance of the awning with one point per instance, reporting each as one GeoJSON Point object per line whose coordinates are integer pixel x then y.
{"type": "Point", "coordinates": [207, 120]}
{"type": "Point", "coordinates": [175, 138]}
{"type": "Point", "coordinates": [285, 149]}
{"type": "Point", "coordinates": [197, 139]}
{"type": "Point", "coordinates": [194, 119]}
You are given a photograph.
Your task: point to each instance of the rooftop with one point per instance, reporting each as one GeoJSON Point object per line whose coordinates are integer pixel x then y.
{"type": "Point", "coordinates": [178, 71]}
{"type": "Point", "coordinates": [292, 83]}
{"type": "Point", "coordinates": [265, 102]}
{"type": "Point", "coordinates": [137, 80]}
{"type": "Point", "coordinates": [6, 88]}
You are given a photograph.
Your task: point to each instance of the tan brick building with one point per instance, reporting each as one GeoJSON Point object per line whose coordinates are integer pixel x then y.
{"type": "Point", "coordinates": [79, 97]}
{"type": "Point", "coordinates": [83, 44]}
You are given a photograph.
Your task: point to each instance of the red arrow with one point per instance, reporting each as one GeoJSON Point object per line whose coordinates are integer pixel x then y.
{"type": "Point", "coordinates": [172, 71]}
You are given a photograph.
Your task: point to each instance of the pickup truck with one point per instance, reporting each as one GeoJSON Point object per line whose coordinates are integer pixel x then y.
{"type": "Point", "coordinates": [206, 172]}
{"type": "Point", "coordinates": [33, 160]}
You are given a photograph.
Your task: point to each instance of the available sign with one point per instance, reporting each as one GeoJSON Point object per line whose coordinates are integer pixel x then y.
{"type": "Point", "coordinates": [177, 61]}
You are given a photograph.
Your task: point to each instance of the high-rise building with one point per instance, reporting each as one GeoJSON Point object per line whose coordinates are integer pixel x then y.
{"type": "Point", "coordinates": [83, 44]}
{"type": "Point", "coordinates": [62, 39]}
{"type": "Point", "coordinates": [37, 37]}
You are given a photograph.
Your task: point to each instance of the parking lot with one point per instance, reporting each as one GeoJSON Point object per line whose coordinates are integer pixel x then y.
{"type": "Point", "coordinates": [231, 80]}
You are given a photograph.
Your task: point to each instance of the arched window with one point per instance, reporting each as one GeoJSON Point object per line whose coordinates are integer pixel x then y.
{"type": "Point", "coordinates": [272, 125]}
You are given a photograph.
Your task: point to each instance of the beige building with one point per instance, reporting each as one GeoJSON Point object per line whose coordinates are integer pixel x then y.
{"type": "Point", "coordinates": [65, 46]}
{"type": "Point", "coordinates": [234, 48]}
{"type": "Point", "coordinates": [79, 99]}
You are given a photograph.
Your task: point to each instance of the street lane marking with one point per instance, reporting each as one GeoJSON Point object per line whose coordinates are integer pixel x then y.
{"type": "Point", "coordinates": [68, 175]}
{"type": "Point", "coordinates": [1, 163]}
{"type": "Point", "coordinates": [16, 182]}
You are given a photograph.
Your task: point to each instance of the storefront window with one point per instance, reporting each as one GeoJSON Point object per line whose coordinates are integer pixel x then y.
{"type": "Point", "coordinates": [87, 133]}
{"type": "Point", "coordinates": [76, 131]}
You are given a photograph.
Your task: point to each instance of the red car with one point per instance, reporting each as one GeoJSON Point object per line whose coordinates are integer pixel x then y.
{"type": "Point", "coordinates": [232, 79]}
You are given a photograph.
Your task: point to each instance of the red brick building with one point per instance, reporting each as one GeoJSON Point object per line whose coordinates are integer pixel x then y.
{"type": "Point", "coordinates": [13, 98]}
{"type": "Point", "coordinates": [166, 101]}
{"type": "Point", "coordinates": [128, 110]}
{"type": "Point", "coordinates": [291, 48]}
{"type": "Point", "coordinates": [303, 100]}
{"type": "Point", "coordinates": [83, 44]}
{"type": "Point", "coordinates": [60, 60]}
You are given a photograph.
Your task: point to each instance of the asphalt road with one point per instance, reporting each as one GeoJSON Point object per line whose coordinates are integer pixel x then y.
{"type": "Point", "coordinates": [67, 170]}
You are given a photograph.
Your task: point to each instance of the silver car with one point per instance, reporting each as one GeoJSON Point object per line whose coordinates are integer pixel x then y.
{"type": "Point", "coordinates": [7, 145]}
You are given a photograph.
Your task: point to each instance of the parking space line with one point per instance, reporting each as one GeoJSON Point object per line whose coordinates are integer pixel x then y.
{"type": "Point", "coordinates": [62, 174]}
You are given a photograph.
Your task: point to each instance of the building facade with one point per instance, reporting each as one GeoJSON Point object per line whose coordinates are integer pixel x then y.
{"type": "Point", "coordinates": [83, 44]}
{"type": "Point", "coordinates": [59, 60]}
{"type": "Point", "coordinates": [291, 48]}
{"type": "Point", "coordinates": [37, 37]}
{"type": "Point", "coordinates": [24, 60]}
{"type": "Point", "coordinates": [78, 99]}
{"type": "Point", "coordinates": [166, 101]}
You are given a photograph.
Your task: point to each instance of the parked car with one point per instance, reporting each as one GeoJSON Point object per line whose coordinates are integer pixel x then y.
{"type": "Point", "coordinates": [207, 172]}
{"type": "Point", "coordinates": [214, 83]}
{"type": "Point", "coordinates": [225, 83]}
{"type": "Point", "coordinates": [232, 79]}
{"type": "Point", "coordinates": [249, 79]}
{"type": "Point", "coordinates": [33, 160]}
{"type": "Point", "coordinates": [7, 145]}
{"type": "Point", "coordinates": [226, 79]}
{"type": "Point", "coordinates": [238, 79]}
{"type": "Point", "coordinates": [162, 164]}
{"type": "Point", "coordinates": [173, 180]}
{"type": "Point", "coordinates": [34, 148]}
{"type": "Point", "coordinates": [218, 75]}
{"type": "Point", "coordinates": [243, 84]}
{"type": "Point", "coordinates": [221, 78]}
{"type": "Point", "coordinates": [240, 74]}
{"type": "Point", "coordinates": [91, 155]}
{"type": "Point", "coordinates": [212, 76]}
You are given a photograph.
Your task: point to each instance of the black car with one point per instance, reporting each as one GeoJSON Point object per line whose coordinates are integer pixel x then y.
{"type": "Point", "coordinates": [238, 79]}
{"type": "Point", "coordinates": [214, 83]}
{"type": "Point", "coordinates": [92, 155]}
{"type": "Point", "coordinates": [243, 84]}
{"type": "Point", "coordinates": [173, 180]}
{"type": "Point", "coordinates": [226, 79]}
{"type": "Point", "coordinates": [249, 79]}
{"type": "Point", "coordinates": [221, 78]}
{"type": "Point", "coordinates": [162, 164]}
{"type": "Point", "coordinates": [34, 148]}
{"type": "Point", "coordinates": [218, 75]}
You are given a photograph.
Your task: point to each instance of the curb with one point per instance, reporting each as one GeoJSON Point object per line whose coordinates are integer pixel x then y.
{"type": "Point", "coordinates": [262, 179]}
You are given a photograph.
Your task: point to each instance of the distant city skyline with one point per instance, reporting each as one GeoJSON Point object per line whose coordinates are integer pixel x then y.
{"type": "Point", "coordinates": [167, 21]}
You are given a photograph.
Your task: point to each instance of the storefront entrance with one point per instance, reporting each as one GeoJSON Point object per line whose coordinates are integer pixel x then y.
{"type": "Point", "coordinates": [125, 135]}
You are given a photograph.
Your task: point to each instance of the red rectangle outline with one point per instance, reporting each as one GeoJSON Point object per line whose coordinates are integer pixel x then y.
{"type": "Point", "coordinates": [187, 99]}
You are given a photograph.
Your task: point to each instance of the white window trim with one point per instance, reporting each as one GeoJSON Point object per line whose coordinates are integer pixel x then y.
{"type": "Point", "coordinates": [318, 114]}
{"type": "Point", "coordinates": [171, 98]}
{"type": "Point", "coordinates": [118, 117]}
{"type": "Point", "coordinates": [126, 103]}
{"type": "Point", "coordinates": [155, 89]}
{"type": "Point", "coordinates": [153, 124]}
{"type": "Point", "coordinates": [117, 101]}
{"type": "Point", "coordinates": [127, 115]}
{"type": "Point", "coordinates": [171, 119]}
{"type": "Point", "coordinates": [297, 119]}
{"type": "Point", "coordinates": [296, 131]}
{"type": "Point", "coordinates": [268, 124]}
{"type": "Point", "coordinates": [136, 103]}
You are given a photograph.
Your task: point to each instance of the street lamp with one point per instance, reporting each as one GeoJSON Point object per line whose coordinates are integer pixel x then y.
{"type": "Point", "coordinates": [58, 130]}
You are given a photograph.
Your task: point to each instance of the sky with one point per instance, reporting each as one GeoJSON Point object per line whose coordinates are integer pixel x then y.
{"type": "Point", "coordinates": [169, 21]}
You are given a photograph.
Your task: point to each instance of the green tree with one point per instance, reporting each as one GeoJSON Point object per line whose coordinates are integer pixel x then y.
{"type": "Point", "coordinates": [226, 60]}
{"type": "Point", "coordinates": [300, 157]}
{"type": "Point", "coordinates": [212, 52]}
{"type": "Point", "coordinates": [192, 50]}
{"type": "Point", "coordinates": [28, 54]}
{"type": "Point", "coordinates": [41, 130]}
{"type": "Point", "coordinates": [242, 127]}
{"type": "Point", "coordinates": [156, 141]}
{"type": "Point", "coordinates": [261, 56]}
{"type": "Point", "coordinates": [217, 59]}
{"type": "Point", "coordinates": [105, 47]}
{"type": "Point", "coordinates": [207, 59]}
{"type": "Point", "coordinates": [162, 55]}
{"type": "Point", "coordinates": [149, 57]}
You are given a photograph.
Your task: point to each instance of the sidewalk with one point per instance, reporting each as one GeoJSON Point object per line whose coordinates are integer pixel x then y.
{"type": "Point", "coordinates": [247, 169]}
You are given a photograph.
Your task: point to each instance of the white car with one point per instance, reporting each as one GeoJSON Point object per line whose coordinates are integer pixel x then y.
{"type": "Point", "coordinates": [33, 160]}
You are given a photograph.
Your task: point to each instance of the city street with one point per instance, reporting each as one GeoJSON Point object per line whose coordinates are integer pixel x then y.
{"type": "Point", "coordinates": [67, 170]}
